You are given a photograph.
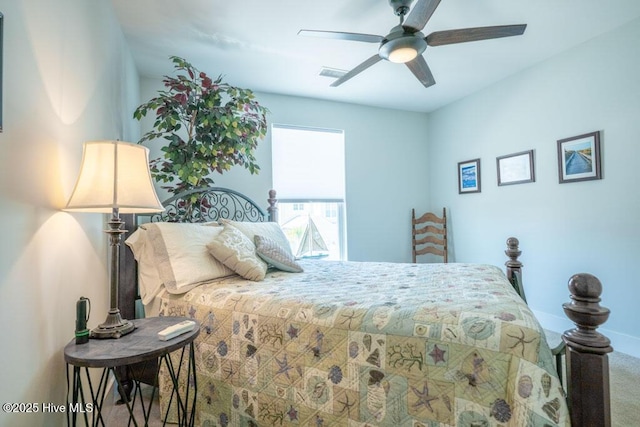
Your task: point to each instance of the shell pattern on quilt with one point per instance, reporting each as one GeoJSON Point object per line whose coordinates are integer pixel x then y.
{"type": "Point", "coordinates": [370, 344]}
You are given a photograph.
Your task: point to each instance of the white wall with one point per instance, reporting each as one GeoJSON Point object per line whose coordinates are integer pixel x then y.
{"type": "Point", "coordinates": [68, 78]}
{"type": "Point", "coordinates": [385, 167]}
{"type": "Point", "coordinates": [563, 228]}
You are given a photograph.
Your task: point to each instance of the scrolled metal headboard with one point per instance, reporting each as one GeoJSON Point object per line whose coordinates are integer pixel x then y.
{"type": "Point", "coordinates": [216, 203]}
{"type": "Point", "coordinates": [212, 204]}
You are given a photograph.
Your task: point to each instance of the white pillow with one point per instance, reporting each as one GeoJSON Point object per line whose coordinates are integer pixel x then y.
{"type": "Point", "coordinates": [181, 256]}
{"type": "Point", "coordinates": [271, 230]}
{"type": "Point", "coordinates": [149, 282]}
{"type": "Point", "coordinates": [232, 248]}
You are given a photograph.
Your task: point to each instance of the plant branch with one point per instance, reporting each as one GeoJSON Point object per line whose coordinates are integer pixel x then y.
{"type": "Point", "coordinates": [206, 126]}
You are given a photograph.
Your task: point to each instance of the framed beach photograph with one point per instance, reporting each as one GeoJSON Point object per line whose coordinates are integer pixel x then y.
{"type": "Point", "coordinates": [579, 158]}
{"type": "Point", "coordinates": [515, 168]}
{"type": "Point", "coordinates": [469, 176]}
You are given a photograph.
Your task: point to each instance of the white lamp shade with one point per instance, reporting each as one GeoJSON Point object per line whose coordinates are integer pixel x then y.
{"type": "Point", "coordinates": [114, 175]}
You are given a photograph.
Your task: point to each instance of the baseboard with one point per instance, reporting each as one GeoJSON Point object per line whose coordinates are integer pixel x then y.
{"type": "Point", "coordinates": [621, 342]}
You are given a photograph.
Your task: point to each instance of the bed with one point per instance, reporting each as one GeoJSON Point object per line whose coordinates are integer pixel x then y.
{"type": "Point", "coordinates": [353, 343]}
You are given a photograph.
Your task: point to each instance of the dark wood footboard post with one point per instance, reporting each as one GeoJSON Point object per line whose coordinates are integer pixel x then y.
{"type": "Point", "coordinates": [514, 266]}
{"type": "Point", "coordinates": [586, 354]}
{"type": "Point", "coordinates": [513, 252]}
{"type": "Point", "coordinates": [273, 206]}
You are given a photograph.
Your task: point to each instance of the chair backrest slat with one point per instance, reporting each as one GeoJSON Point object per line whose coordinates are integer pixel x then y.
{"type": "Point", "coordinates": [429, 235]}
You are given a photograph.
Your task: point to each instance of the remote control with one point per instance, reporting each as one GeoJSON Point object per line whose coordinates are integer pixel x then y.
{"type": "Point", "coordinates": [175, 330]}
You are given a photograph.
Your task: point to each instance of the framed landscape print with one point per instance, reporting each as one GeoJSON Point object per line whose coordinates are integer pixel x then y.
{"type": "Point", "coordinates": [579, 158]}
{"type": "Point", "coordinates": [469, 176]}
{"type": "Point", "coordinates": [515, 168]}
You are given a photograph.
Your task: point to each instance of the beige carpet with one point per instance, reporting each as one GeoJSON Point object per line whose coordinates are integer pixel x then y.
{"type": "Point", "coordinates": [625, 390]}
{"type": "Point", "coordinates": [624, 384]}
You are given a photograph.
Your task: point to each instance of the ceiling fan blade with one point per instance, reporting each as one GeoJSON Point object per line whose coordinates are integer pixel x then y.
{"type": "Point", "coordinates": [420, 69]}
{"type": "Point", "coordinates": [420, 15]}
{"type": "Point", "coordinates": [360, 68]}
{"type": "Point", "coordinates": [339, 35]}
{"type": "Point", "coordinates": [463, 35]}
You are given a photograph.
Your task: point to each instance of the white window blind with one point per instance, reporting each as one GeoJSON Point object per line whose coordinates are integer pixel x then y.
{"type": "Point", "coordinates": [308, 164]}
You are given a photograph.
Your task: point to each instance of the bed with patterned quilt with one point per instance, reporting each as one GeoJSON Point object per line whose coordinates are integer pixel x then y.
{"type": "Point", "coordinates": [288, 342]}
{"type": "Point", "coordinates": [329, 343]}
{"type": "Point", "coordinates": [377, 344]}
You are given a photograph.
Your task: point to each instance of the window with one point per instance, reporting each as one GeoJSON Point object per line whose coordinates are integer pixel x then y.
{"type": "Point", "coordinates": [309, 177]}
{"type": "Point", "coordinates": [330, 210]}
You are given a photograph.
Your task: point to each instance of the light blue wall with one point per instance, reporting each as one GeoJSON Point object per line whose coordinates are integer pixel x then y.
{"type": "Point", "coordinates": [563, 228]}
{"type": "Point", "coordinates": [68, 77]}
{"type": "Point", "coordinates": [385, 167]}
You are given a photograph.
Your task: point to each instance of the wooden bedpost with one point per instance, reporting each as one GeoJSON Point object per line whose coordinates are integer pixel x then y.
{"type": "Point", "coordinates": [513, 252]}
{"type": "Point", "coordinates": [127, 296]}
{"type": "Point", "coordinates": [273, 206]}
{"type": "Point", "coordinates": [514, 266]}
{"type": "Point", "coordinates": [586, 354]}
{"type": "Point", "coordinates": [128, 274]}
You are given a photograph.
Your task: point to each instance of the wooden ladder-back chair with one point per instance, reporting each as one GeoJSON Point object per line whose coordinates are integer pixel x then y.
{"type": "Point", "coordinates": [429, 235]}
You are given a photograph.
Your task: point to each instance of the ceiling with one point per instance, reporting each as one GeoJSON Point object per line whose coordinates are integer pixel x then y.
{"type": "Point", "coordinates": [254, 43]}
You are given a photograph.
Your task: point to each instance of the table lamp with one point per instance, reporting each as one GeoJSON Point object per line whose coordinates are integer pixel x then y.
{"type": "Point", "coordinates": [114, 178]}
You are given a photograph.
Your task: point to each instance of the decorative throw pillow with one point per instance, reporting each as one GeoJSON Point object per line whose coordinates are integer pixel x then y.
{"type": "Point", "coordinates": [266, 229]}
{"type": "Point", "coordinates": [232, 248]}
{"type": "Point", "coordinates": [269, 250]}
{"type": "Point", "coordinates": [181, 255]}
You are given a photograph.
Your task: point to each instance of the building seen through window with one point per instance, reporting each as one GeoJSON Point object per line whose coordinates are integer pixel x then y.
{"type": "Point", "coordinates": [309, 177]}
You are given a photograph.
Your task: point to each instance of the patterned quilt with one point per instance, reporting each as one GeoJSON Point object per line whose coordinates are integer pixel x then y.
{"type": "Point", "coordinates": [370, 344]}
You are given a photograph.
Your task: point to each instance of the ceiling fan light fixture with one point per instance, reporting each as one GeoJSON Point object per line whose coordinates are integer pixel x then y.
{"type": "Point", "coordinates": [406, 43]}
{"type": "Point", "coordinates": [401, 48]}
{"type": "Point", "coordinates": [402, 55]}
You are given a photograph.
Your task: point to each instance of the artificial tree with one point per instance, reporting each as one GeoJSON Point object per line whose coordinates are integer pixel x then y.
{"type": "Point", "coordinates": [209, 127]}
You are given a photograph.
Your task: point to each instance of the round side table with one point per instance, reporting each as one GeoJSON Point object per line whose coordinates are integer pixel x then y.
{"type": "Point", "coordinates": [141, 345]}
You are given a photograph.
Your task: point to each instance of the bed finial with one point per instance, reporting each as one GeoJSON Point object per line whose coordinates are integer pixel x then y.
{"type": "Point", "coordinates": [513, 252]}
{"type": "Point", "coordinates": [587, 360]}
{"type": "Point", "coordinates": [273, 206]}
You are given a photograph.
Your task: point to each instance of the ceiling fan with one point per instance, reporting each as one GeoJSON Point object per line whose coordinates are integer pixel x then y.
{"type": "Point", "coordinates": [405, 43]}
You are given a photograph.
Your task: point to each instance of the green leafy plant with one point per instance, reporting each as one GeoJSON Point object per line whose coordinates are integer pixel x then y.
{"type": "Point", "coordinates": [210, 126]}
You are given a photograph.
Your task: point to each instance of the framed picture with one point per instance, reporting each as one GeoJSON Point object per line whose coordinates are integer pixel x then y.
{"type": "Point", "coordinates": [516, 168]}
{"type": "Point", "coordinates": [579, 158]}
{"type": "Point", "coordinates": [469, 176]}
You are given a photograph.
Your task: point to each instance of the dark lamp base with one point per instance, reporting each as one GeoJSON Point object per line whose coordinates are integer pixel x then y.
{"type": "Point", "coordinates": [113, 327]}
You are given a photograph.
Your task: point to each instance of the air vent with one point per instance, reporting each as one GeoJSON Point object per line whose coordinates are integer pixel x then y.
{"type": "Point", "coordinates": [332, 72]}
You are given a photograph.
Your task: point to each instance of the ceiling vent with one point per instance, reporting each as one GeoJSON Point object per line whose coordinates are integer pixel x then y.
{"type": "Point", "coordinates": [332, 72]}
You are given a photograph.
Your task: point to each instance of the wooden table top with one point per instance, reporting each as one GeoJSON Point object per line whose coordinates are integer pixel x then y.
{"type": "Point", "coordinates": [140, 345]}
